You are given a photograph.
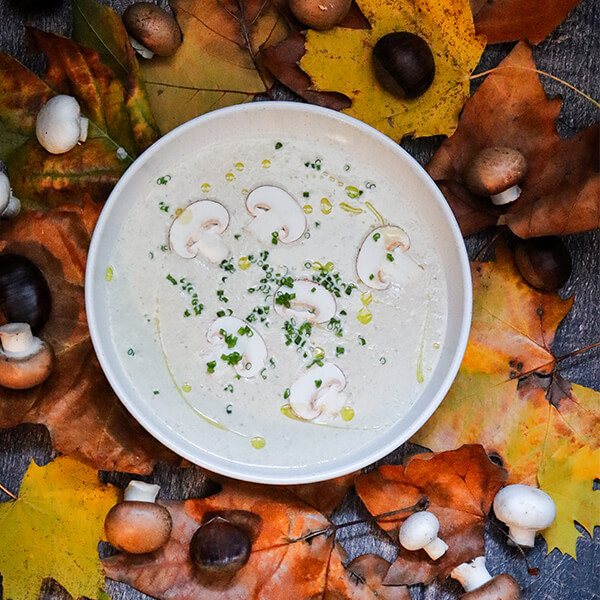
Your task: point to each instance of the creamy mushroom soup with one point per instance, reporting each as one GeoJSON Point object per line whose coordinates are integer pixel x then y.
{"type": "Point", "coordinates": [288, 297]}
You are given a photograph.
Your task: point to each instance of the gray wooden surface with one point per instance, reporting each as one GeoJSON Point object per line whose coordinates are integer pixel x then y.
{"type": "Point", "coordinates": [570, 53]}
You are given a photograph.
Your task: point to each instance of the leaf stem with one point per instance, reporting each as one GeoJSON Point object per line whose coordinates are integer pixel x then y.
{"type": "Point", "coordinates": [7, 492]}
{"type": "Point", "coordinates": [572, 87]}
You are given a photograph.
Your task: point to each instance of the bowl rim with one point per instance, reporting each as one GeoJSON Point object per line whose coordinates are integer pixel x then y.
{"type": "Point", "coordinates": [271, 474]}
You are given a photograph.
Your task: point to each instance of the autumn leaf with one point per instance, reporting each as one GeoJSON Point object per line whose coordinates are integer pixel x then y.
{"type": "Point", "coordinates": [340, 60]}
{"type": "Point", "coordinates": [508, 20]}
{"type": "Point", "coordinates": [567, 475]}
{"type": "Point", "coordinates": [219, 62]}
{"type": "Point", "coordinates": [118, 130]}
{"type": "Point", "coordinates": [561, 191]}
{"type": "Point", "coordinates": [460, 485]}
{"type": "Point", "coordinates": [52, 530]}
{"type": "Point", "coordinates": [83, 415]}
{"type": "Point", "coordinates": [509, 376]}
{"type": "Point", "coordinates": [277, 567]}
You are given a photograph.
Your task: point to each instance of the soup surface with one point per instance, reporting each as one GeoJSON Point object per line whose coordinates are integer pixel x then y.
{"type": "Point", "coordinates": [282, 295]}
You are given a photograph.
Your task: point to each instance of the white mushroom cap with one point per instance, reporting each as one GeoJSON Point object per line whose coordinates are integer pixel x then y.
{"type": "Point", "coordinates": [274, 211]}
{"type": "Point", "coordinates": [526, 510]}
{"type": "Point", "coordinates": [382, 258]}
{"type": "Point", "coordinates": [420, 531]}
{"type": "Point", "coordinates": [198, 229]}
{"type": "Point", "coordinates": [9, 205]}
{"type": "Point", "coordinates": [59, 125]}
{"type": "Point", "coordinates": [25, 360]}
{"type": "Point", "coordinates": [311, 302]}
{"type": "Point", "coordinates": [472, 574]}
{"type": "Point", "coordinates": [251, 346]}
{"type": "Point", "coordinates": [319, 389]}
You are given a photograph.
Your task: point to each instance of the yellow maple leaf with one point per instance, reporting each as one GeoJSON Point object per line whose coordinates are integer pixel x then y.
{"type": "Point", "coordinates": [340, 60]}
{"type": "Point", "coordinates": [53, 529]}
{"type": "Point", "coordinates": [568, 478]}
{"type": "Point", "coordinates": [219, 62]}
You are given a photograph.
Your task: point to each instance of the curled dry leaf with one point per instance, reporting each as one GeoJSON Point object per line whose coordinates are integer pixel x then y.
{"type": "Point", "coordinates": [276, 568]}
{"type": "Point", "coordinates": [339, 60]}
{"type": "Point", "coordinates": [561, 191]}
{"type": "Point", "coordinates": [460, 485]}
{"type": "Point", "coordinates": [83, 415]}
{"type": "Point", "coordinates": [507, 20]}
{"type": "Point", "coordinates": [509, 373]}
{"type": "Point", "coordinates": [219, 62]}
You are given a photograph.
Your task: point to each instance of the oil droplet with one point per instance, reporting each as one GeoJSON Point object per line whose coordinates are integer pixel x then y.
{"type": "Point", "coordinates": [186, 387]}
{"type": "Point", "coordinates": [244, 192]}
{"type": "Point", "coordinates": [230, 176]}
{"type": "Point", "coordinates": [347, 413]}
{"type": "Point", "coordinates": [364, 316]}
{"type": "Point", "coordinates": [436, 345]}
{"type": "Point", "coordinates": [331, 178]}
{"type": "Point", "coordinates": [205, 187]}
{"type": "Point", "coordinates": [239, 166]}
{"type": "Point", "coordinates": [286, 409]}
{"type": "Point", "coordinates": [265, 165]}
{"type": "Point", "coordinates": [366, 298]}
{"type": "Point", "coordinates": [244, 263]}
{"type": "Point", "coordinates": [325, 206]}
{"type": "Point", "coordinates": [351, 209]}
{"type": "Point", "coordinates": [307, 208]}
{"type": "Point", "coordinates": [178, 212]}
{"type": "Point", "coordinates": [352, 192]}
{"type": "Point", "coordinates": [185, 216]}
{"type": "Point", "coordinates": [329, 266]}
{"type": "Point", "coordinates": [109, 273]}
{"type": "Point", "coordinates": [340, 183]}
{"type": "Point", "coordinates": [258, 442]}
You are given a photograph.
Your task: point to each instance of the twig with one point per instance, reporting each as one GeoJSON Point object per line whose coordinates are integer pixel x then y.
{"type": "Point", "coordinates": [7, 492]}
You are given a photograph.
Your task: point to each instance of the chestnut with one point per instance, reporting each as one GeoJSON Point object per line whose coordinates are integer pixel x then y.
{"type": "Point", "coordinates": [544, 262]}
{"type": "Point", "coordinates": [24, 292]}
{"type": "Point", "coordinates": [404, 64]}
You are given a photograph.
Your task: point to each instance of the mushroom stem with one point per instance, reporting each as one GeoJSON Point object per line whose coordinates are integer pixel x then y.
{"type": "Point", "coordinates": [472, 575]}
{"type": "Point", "coordinates": [140, 491]}
{"type": "Point", "coordinates": [436, 548]}
{"type": "Point", "coordinates": [12, 209]}
{"type": "Point", "coordinates": [16, 339]}
{"type": "Point", "coordinates": [84, 124]}
{"type": "Point", "coordinates": [521, 536]}
{"type": "Point", "coordinates": [507, 196]}
{"type": "Point", "coordinates": [141, 49]}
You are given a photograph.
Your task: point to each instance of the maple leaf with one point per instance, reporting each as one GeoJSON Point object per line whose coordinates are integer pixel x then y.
{"type": "Point", "coordinates": [219, 62]}
{"type": "Point", "coordinates": [460, 485]}
{"type": "Point", "coordinates": [83, 415]}
{"type": "Point", "coordinates": [508, 20]}
{"type": "Point", "coordinates": [509, 374]}
{"type": "Point", "coordinates": [52, 530]}
{"type": "Point", "coordinates": [340, 60]}
{"type": "Point", "coordinates": [277, 567]}
{"type": "Point", "coordinates": [561, 191]}
{"type": "Point", "coordinates": [117, 132]}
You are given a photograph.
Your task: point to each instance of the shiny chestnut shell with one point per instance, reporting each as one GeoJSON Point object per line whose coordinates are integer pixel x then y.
{"type": "Point", "coordinates": [404, 64]}
{"type": "Point", "coordinates": [24, 292]}
{"type": "Point", "coordinates": [220, 546]}
{"type": "Point", "coordinates": [544, 262]}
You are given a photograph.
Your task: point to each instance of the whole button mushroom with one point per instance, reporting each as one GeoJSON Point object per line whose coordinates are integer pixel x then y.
{"type": "Point", "coordinates": [480, 585]}
{"type": "Point", "coordinates": [152, 30]}
{"type": "Point", "coordinates": [9, 205]}
{"type": "Point", "coordinates": [526, 510]}
{"type": "Point", "coordinates": [420, 531]}
{"type": "Point", "coordinates": [320, 14]}
{"type": "Point", "coordinates": [59, 125]}
{"type": "Point", "coordinates": [25, 360]}
{"type": "Point", "coordinates": [138, 525]}
{"type": "Point", "coordinates": [497, 172]}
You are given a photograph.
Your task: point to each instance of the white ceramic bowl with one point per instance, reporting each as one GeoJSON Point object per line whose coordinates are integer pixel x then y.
{"type": "Point", "coordinates": [280, 120]}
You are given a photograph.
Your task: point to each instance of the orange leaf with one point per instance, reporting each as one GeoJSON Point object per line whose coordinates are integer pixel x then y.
{"type": "Point", "coordinates": [561, 191]}
{"type": "Point", "coordinates": [460, 485]}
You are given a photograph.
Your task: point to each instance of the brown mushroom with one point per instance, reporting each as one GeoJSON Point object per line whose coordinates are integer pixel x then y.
{"type": "Point", "coordinates": [25, 360]}
{"type": "Point", "coordinates": [153, 29]}
{"type": "Point", "coordinates": [496, 172]}
{"type": "Point", "coordinates": [320, 14]}
{"type": "Point", "coordinates": [138, 525]}
{"type": "Point", "coordinates": [501, 587]}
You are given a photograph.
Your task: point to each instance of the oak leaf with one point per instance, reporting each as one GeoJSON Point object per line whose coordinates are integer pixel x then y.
{"type": "Point", "coordinates": [52, 530]}
{"type": "Point", "coordinates": [339, 60]}
{"type": "Point", "coordinates": [219, 62]}
{"type": "Point", "coordinates": [561, 190]}
{"type": "Point", "coordinates": [508, 395]}
{"type": "Point", "coordinates": [277, 568]}
{"type": "Point", "coordinates": [460, 485]}
{"type": "Point", "coordinates": [83, 415]}
{"type": "Point", "coordinates": [117, 132]}
{"type": "Point", "coordinates": [508, 20]}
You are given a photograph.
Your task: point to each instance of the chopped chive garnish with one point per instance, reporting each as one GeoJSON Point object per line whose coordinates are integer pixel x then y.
{"type": "Point", "coordinates": [210, 366]}
{"type": "Point", "coordinates": [284, 299]}
{"type": "Point", "coordinates": [287, 393]}
{"type": "Point", "coordinates": [318, 382]}
{"type": "Point", "coordinates": [220, 313]}
{"type": "Point", "coordinates": [361, 340]}
{"type": "Point", "coordinates": [232, 359]}
{"type": "Point", "coordinates": [274, 238]}
{"type": "Point", "coordinates": [371, 276]}
{"type": "Point", "coordinates": [376, 236]}
{"type": "Point", "coordinates": [172, 279]}
{"type": "Point", "coordinates": [229, 409]}
{"type": "Point", "coordinates": [390, 256]}
{"type": "Point", "coordinates": [230, 339]}
{"type": "Point", "coordinates": [278, 145]}
{"type": "Point", "coordinates": [339, 350]}
{"type": "Point", "coordinates": [382, 360]}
